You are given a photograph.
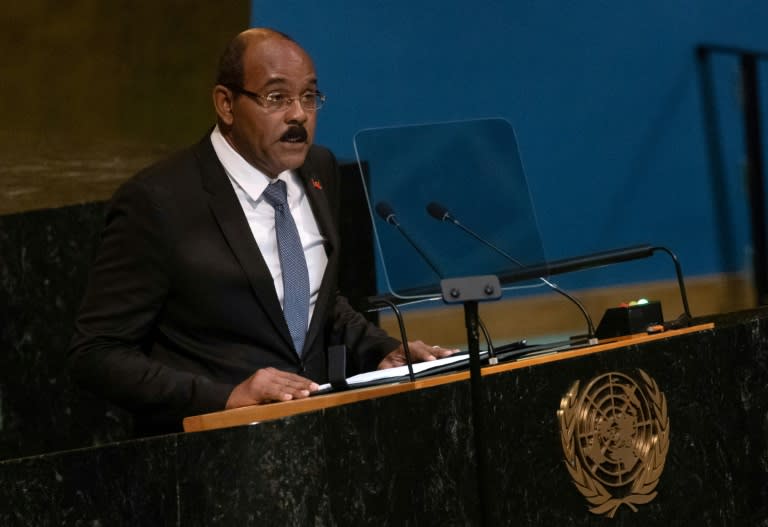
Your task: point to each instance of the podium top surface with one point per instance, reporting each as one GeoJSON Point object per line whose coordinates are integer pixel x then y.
{"type": "Point", "coordinates": [250, 415]}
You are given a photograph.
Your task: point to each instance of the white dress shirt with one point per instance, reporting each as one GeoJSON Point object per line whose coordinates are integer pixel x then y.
{"type": "Point", "coordinates": [249, 183]}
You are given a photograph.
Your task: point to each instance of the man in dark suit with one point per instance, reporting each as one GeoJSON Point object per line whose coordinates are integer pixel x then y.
{"type": "Point", "coordinates": [195, 301]}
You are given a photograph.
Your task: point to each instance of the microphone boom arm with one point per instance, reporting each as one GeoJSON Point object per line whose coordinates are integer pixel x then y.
{"type": "Point", "coordinates": [553, 287]}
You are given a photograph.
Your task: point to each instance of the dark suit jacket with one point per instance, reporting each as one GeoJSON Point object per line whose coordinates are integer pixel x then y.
{"type": "Point", "coordinates": [181, 306]}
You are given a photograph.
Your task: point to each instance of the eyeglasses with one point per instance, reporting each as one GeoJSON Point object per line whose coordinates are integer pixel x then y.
{"type": "Point", "coordinates": [277, 101]}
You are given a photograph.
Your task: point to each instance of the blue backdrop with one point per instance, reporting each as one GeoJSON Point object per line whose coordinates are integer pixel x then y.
{"type": "Point", "coordinates": [604, 97]}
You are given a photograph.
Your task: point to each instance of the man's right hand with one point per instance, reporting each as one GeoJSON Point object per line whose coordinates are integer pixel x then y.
{"type": "Point", "coordinates": [270, 384]}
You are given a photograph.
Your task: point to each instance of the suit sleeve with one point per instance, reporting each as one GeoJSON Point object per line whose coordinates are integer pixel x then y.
{"type": "Point", "coordinates": [127, 288]}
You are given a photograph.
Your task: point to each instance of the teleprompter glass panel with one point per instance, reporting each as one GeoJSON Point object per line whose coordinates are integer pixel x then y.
{"type": "Point", "coordinates": [470, 169]}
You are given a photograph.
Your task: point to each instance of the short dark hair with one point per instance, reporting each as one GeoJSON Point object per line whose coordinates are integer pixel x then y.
{"type": "Point", "coordinates": [231, 71]}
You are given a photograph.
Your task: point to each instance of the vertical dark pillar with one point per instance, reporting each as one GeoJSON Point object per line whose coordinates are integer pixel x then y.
{"type": "Point", "coordinates": [756, 185]}
{"type": "Point", "coordinates": [357, 275]}
{"type": "Point", "coordinates": [723, 223]}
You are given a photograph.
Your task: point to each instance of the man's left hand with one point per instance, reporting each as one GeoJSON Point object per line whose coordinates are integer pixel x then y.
{"type": "Point", "coordinates": [420, 352]}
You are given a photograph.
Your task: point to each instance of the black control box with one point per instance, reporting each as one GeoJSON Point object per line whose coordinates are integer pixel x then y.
{"type": "Point", "coordinates": [627, 320]}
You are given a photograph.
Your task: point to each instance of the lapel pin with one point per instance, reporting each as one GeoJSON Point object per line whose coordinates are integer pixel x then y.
{"type": "Point", "coordinates": [316, 184]}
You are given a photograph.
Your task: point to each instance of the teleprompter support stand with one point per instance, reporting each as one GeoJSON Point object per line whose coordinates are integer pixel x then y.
{"type": "Point", "coordinates": [469, 291]}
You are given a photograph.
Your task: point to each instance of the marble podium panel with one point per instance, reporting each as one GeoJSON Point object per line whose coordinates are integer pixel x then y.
{"type": "Point", "coordinates": [408, 459]}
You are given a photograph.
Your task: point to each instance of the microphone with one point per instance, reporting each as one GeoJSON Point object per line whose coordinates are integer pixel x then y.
{"type": "Point", "coordinates": [441, 213]}
{"type": "Point", "coordinates": [387, 213]}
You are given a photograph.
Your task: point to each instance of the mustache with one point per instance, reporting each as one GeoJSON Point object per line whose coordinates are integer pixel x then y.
{"type": "Point", "coordinates": [295, 133]}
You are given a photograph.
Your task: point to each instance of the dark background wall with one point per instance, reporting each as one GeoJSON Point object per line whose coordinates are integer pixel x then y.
{"type": "Point", "coordinates": [91, 91]}
{"type": "Point", "coordinates": [604, 97]}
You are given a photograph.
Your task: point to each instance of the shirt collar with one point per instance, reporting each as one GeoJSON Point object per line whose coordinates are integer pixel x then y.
{"type": "Point", "coordinates": [252, 180]}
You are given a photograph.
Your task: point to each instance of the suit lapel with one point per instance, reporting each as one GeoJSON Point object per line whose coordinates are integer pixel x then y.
{"type": "Point", "coordinates": [316, 193]}
{"type": "Point", "coordinates": [231, 219]}
{"type": "Point", "coordinates": [318, 200]}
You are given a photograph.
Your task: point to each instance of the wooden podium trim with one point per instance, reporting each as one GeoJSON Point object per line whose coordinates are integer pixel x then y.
{"type": "Point", "coordinates": [249, 415]}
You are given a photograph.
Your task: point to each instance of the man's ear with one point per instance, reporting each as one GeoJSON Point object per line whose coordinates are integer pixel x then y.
{"type": "Point", "coordinates": [222, 103]}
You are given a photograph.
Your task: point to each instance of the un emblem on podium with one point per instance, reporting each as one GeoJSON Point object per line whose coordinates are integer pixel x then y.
{"type": "Point", "coordinates": [615, 436]}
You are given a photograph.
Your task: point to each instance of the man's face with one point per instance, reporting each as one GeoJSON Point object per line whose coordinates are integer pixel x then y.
{"type": "Point", "coordinates": [273, 141]}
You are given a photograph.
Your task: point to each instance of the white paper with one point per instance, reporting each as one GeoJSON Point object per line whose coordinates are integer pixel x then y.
{"type": "Point", "coordinates": [401, 371]}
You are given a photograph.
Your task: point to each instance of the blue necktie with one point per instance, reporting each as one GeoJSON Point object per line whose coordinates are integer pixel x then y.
{"type": "Point", "coordinates": [292, 263]}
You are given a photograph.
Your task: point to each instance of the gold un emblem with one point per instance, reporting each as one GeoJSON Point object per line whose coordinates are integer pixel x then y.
{"type": "Point", "coordinates": [615, 435]}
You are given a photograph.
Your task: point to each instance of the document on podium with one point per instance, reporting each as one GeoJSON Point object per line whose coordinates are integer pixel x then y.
{"type": "Point", "coordinates": [459, 361]}
{"type": "Point", "coordinates": [371, 378]}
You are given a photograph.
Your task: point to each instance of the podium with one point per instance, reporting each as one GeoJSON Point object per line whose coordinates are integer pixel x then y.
{"type": "Point", "coordinates": [402, 454]}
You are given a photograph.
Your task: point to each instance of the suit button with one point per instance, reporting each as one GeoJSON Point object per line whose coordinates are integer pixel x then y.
{"type": "Point", "coordinates": [302, 369]}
